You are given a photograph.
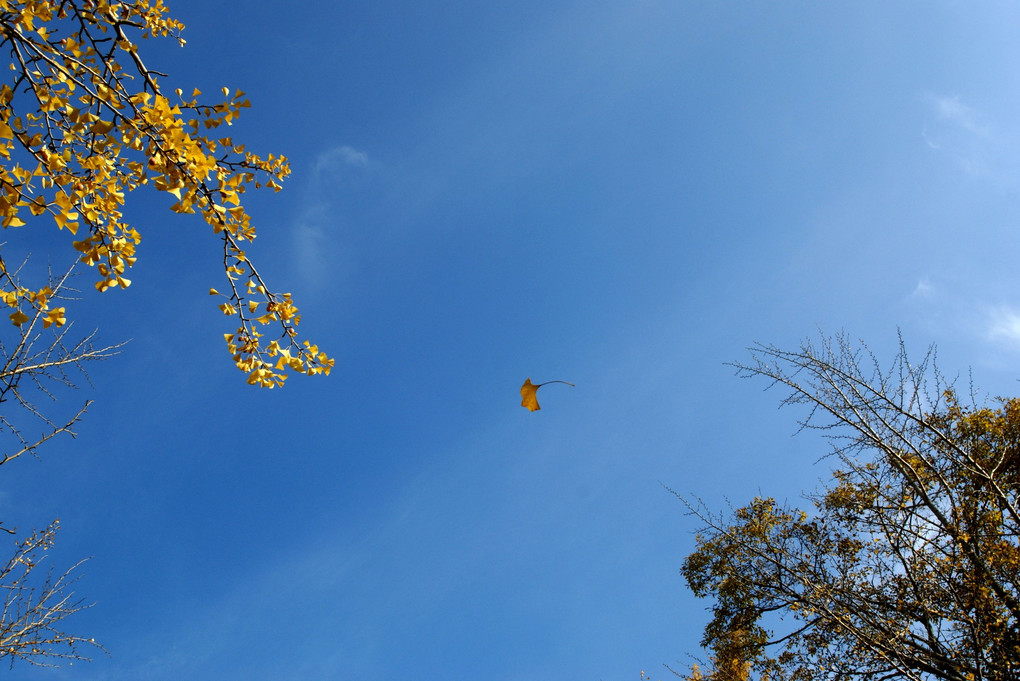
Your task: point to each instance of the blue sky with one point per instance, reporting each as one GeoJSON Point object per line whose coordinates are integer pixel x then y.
{"type": "Point", "coordinates": [624, 195]}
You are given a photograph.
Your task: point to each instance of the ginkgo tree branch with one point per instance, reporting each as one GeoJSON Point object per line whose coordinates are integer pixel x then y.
{"type": "Point", "coordinates": [66, 428]}
{"type": "Point", "coordinates": [76, 137]}
{"type": "Point", "coordinates": [43, 357]}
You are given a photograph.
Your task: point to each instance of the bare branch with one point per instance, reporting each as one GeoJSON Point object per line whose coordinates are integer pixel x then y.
{"type": "Point", "coordinates": [34, 609]}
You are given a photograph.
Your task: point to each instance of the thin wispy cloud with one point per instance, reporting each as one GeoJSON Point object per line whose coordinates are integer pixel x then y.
{"type": "Point", "coordinates": [317, 248]}
{"type": "Point", "coordinates": [1004, 326]}
{"type": "Point", "coordinates": [970, 137]}
{"type": "Point", "coordinates": [946, 313]}
{"type": "Point", "coordinates": [924, 288]}
{"type": "Point", "coordinates": [311, 248]}
{"type": "Point", "coordinates": [951, 109]}
{"type": "Point", "coordinates": [338, 157]}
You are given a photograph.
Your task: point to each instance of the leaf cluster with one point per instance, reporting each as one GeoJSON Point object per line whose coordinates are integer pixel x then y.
{"type": "Point", "coordinates": [84, 122]}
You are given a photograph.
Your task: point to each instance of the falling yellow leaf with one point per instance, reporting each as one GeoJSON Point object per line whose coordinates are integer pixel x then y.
{"type": "Point", "coordinates": [529, 393]}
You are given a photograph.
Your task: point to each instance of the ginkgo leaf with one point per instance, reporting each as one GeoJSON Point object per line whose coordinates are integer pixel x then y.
{"type": "Point", "coordinates": [529, 393]}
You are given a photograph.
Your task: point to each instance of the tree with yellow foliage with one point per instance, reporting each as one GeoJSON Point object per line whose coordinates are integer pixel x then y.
{"type": "Point", "coordinates": [84, 122]}
{"type": "Point", "coordinates": [906, 566]}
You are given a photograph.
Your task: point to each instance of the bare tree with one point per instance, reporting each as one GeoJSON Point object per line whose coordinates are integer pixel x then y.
{"type": "Point", "coordinates": [906, 565]}
{"type": "Point", "coordinates": [43, 362]}
{"type": "Point", "coordinates": [43, 357]}
{"type": "Point", "coordinates": [34, 607]}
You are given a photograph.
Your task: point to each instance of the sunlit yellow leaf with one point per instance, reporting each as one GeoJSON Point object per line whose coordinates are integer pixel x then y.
{"type": "Point", "coordinates": [102, 127]}
{"type": "Point", "coordinates": [54, 317]}
{"type": "Point", "coordinates": [529, 393]}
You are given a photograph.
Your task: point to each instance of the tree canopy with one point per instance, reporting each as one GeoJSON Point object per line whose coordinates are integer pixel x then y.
{"type": "Point", "coordinates": [84, 122]}
{"type": "Point", "coordinates": [906, 565]}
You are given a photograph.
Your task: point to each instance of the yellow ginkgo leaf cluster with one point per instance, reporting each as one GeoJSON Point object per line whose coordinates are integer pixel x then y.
{"type": "Point", "coordinates": [84, 122]}
{"type": "Point", "coordinates": [38, 302]}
